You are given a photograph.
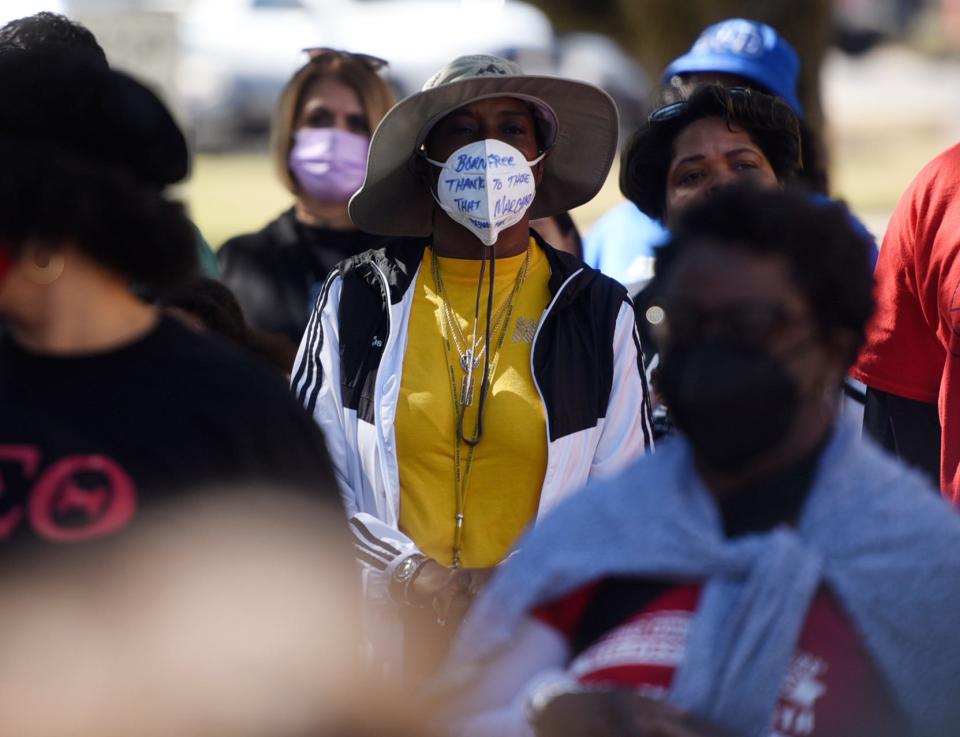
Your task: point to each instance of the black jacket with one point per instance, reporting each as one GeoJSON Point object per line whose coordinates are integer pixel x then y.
{"type": "Point", "coordinates": [573, 358]}
{"type": "Point", "coordinates": [274, 272]}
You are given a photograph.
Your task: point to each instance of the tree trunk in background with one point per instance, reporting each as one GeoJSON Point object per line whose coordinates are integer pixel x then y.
{"type": "Point", "coordinates": [657, 31]}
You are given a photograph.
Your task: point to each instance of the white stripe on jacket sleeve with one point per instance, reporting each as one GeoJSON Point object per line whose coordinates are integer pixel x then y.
{"type": "Point", "coordinates": [316, 384]}
{"type": "Point", "coordinates": [627, 430]}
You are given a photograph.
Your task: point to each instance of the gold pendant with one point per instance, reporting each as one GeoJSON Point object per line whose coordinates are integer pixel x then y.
{"type": "Point", "coordinates": [458, 527]}
{"type": "Point", "coordinates": [468, 360]}
{"type": "Point", "coordinates": [466, 391]}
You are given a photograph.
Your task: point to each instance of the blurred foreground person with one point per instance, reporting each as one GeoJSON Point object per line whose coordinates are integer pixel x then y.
{"type": "Point", "coordinates": [324, 120]}
{"type": "Point", "coordinates": [105, 404]}
{"type": "Point", "coordinates": [57, 34]}
{"type": "Point", "coordinates": [227, 613]}
{"type": "Point", "coordinates": [470, 376]}
{"type": "Point", "coordinates": [51, 32]}
{"type": "Point", "coordinates": [767, 574]}
{"type": "Point", "coordinates": [911, 360]}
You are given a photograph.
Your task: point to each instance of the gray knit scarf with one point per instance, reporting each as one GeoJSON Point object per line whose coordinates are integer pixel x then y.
{"type": "Point", "coordinates": [871, 530]}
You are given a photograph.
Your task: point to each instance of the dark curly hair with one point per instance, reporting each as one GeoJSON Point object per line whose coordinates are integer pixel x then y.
{"type": "Point", "coordinates": [53, 32]}
{"type": "Point", "coordinates": [768, 120]}
{"type": "Point", "coordinates": [813, 173]}
{"type": "Point", "coordinates": [827, 258]}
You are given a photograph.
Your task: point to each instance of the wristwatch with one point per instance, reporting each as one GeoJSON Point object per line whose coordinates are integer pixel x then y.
{"type": "Point", "coordinates": [403, 576]}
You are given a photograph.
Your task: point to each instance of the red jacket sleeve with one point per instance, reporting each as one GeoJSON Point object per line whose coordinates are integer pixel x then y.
{"type": "Point", "coordinates": [913, 340]}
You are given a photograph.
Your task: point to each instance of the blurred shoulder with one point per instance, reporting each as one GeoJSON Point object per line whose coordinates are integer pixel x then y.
{"type": "Point", "coordinates": [278, 232]}
{"type": "Point", "coordinates": [942, 174]}
{"type": "Point", "coordinates": [213, 365]}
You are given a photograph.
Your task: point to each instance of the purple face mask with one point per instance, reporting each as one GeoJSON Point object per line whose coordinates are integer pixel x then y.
{"type": "Point", "coordinates": [328, 163]}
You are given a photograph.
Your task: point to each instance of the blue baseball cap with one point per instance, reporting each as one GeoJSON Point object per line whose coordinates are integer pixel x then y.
{"type": "Point", "coordinates": [751, 50]}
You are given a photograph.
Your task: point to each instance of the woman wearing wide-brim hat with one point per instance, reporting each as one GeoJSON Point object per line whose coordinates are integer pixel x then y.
{"type": "Point", "coordinates": [468, 376]}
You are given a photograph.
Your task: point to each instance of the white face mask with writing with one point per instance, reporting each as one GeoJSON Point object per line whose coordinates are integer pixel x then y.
{"type": "Point", "coordinates": [486, 186]}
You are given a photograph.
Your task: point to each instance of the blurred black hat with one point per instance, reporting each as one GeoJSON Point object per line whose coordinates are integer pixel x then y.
{"type": "Point", "coordinates": [63, 101]}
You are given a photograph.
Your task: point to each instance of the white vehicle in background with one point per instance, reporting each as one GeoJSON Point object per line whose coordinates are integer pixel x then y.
{"type": "Point", "coordinates": [236, 55]}
{"type": "Point", "coordinates": [13, 9]}
{"type": "Point", "coordinates": [418, 37]}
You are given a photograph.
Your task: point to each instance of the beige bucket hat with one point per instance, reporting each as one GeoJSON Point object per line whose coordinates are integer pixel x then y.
{"type": "Point", "coordinates": [579, 123]}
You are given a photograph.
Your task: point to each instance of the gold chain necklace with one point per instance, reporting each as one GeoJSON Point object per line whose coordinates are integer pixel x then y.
{"type": "Point", "coordinates": [468, 352]}
{"type": "Point", "coordinates": [461, 476]}
{"type": "Point", "coordinates": [461, 471]}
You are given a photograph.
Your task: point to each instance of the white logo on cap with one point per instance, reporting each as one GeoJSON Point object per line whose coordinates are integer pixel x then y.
{"type": "Point", "coordinates": [742, 39]}
{"type": "Point", "coordinates": [490, 69]}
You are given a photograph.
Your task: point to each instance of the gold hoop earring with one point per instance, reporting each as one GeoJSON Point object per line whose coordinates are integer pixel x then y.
{"type": "Point", "coordinates": [46, 274]}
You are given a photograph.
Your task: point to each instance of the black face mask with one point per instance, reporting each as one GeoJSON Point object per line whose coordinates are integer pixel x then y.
{"type": "Point", "coordinates": [734, 403]}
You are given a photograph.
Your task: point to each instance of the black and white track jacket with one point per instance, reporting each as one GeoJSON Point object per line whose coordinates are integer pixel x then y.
{"type": "Point", "coordinates": [586, 363]}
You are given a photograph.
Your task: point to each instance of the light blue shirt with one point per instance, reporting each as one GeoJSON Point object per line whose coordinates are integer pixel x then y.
{"type": "Point", "coordinates": [622, 243]}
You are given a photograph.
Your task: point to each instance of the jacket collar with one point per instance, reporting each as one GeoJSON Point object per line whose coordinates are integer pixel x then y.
{"type": "Point", "coordinates": [398, 261]}
{"type": "Point", "coordinates": [400, 258]}
{"type": "Point", "coordinates": [283, 230]}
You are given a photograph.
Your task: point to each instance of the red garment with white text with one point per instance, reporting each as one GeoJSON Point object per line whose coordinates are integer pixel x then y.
{"type": "Point", "coordinates": [913, 340]}
{"type": "Point", "coordinates": [831, 688]}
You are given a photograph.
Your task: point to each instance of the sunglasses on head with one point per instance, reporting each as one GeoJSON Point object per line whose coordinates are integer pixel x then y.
{"type": "Point", "coordinates": [676, 109]}
{"type": "Point", "coordinates": [374, 63]}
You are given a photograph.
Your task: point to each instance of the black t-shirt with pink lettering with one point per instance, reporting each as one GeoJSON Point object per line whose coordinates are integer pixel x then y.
{"type": "Point", "coordinates": [88, 443]}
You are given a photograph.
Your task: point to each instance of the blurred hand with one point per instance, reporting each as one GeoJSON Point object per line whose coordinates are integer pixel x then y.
{"type": "Point", "coordinates": [448, 591]}
{"type": "Point", "coordinates": [429, 582]}
{"type": "Point", "coordinates": [467, 584]}
{"type": "Point", "coordinates": [617, 713]}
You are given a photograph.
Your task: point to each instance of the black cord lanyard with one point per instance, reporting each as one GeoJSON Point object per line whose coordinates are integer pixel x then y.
{"type": "Point", "coordinates": [484, 383]}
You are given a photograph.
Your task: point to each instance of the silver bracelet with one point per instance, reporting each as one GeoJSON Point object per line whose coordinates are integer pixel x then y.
{"type": "Point", "coordinates": [404, 575]}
